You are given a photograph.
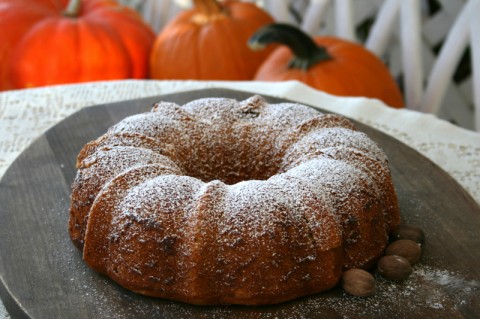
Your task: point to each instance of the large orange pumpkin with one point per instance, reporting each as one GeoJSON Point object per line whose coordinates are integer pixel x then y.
{"type": "Point", "coordinates": [45, 42]}
{"type": "Point", "coordinates": [209, 42]}
{"type": "Point", "coordinates": [329, 64]}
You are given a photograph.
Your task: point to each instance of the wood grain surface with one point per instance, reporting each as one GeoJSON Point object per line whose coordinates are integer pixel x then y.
{"type": "Point", "coordinates": [42, 275]}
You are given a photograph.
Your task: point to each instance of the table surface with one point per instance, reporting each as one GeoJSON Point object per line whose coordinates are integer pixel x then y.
{"type": "Point", "coordinates": [26, 114]}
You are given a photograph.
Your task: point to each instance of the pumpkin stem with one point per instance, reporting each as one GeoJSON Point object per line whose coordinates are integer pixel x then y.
{"type": "Point", "coordinates": [73, 8]}
{"type": "Point", "coordinates": [208, 7]}
{"type": "Point", "coordinates": [306, 52]}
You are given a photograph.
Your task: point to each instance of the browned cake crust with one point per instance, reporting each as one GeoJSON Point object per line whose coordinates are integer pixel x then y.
{"type": "Point", "coordinates": [226, 202]}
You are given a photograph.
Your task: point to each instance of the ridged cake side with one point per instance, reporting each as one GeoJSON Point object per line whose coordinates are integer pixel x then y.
{"type": "Point", "coordinates": [226, 202]}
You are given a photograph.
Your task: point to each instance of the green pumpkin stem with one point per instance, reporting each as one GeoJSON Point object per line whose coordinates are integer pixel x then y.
{"type": "Point", "coordinates": [73, 8]}
{"type": "Point", "coordinates": [208, 7]}
{"type": "Point", "coordinates": [306, 52]}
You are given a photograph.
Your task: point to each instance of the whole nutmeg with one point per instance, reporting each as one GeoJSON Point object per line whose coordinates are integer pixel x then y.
{"type": "Point", "coordinates": [406, 248]}
{"type": "Point", "coordinates": [358, 282]}
{"type": "Point", "coordinates": [394, 267]}
{"type": "Point", "coordinates": [409, 231]}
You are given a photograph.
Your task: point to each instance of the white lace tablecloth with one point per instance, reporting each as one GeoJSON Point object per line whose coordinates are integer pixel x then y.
{"type": "Point", "coordinates": [25, 114]}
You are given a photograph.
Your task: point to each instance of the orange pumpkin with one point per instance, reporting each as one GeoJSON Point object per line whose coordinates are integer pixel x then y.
{"type": "Point", "coordinates": [209, 42]}
{"type": "Point", "coordinates": [45, 42]}
{"type": "Point", "coordinates": [329, 64]}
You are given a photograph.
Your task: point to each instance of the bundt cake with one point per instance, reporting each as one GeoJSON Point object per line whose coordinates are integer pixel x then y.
{"type": "Point", "coordinates": [226, 202]}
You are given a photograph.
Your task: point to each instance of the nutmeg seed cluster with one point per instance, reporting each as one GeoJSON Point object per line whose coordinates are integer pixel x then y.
{"type": "Point", "coordinates": [396, 265]}
{"type": "Point", "coordinates": [358, 282]}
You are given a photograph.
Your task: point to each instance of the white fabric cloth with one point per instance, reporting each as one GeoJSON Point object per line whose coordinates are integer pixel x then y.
{"type": "Point", "coordinates": [25, 114]}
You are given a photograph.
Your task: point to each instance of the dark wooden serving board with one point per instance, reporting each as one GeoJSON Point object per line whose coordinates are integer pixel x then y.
{"type": "Point", "coordinates": [43, 276]}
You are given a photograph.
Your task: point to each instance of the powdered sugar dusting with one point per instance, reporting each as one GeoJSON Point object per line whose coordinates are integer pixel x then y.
{"type": "Point", "coordinates": [311, 145]}
{"type": "Point", "coordinates": [269, 209]}
{"type": "Point", "coordinates": [119, 139]}
{"type": "Point", "coordinates": [430, 292]}
{"type": "Point", "coordinates": [96, 170]}
{"type": "Point", "coordinates": [350, 190]}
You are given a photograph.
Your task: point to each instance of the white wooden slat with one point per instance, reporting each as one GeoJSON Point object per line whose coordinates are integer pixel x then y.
{"type": "Point", "coordinates": [475, 50]}
{"type": "Point", "coordinates": [448, 59]}
{"type": "Point", "coordinates": [395, 59]}
{"type": "Point", "coordinates": [428, 57]}
{"type": "Point", "coordinates": [300, 7]}
{"type": "Point", "coordinates": [328, 28]}
{"type": "Point", "coordinates": [278, 9]}
{"type": "Point", "coordinates": [436, 27]}
{"type": "Point", "coordinates": [456, 106]}
{"type": "Point", "coordinates": [383, 27]}
{"type": "Point", "coordinates": [452, 7]}
{"type": "Point", "coordinates": [466, 89]}
{"type": "Point", "coordinates": [315, 16]}
{"type": "Point", "coordinates": [364, 9]}
{"type": "Point", "coordinates": [411, 52]}
{"type": "Point", "coordinates": [344, 19]}
{"type": "Point", "coordinates": [155, 12]}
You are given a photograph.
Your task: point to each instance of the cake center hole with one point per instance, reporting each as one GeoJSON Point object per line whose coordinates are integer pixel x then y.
{"type": "Point", "coordinates": [232, 162]}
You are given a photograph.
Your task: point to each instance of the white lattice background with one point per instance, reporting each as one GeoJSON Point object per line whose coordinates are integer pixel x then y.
{"type": "Point", "coordinates": [437, 17]}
